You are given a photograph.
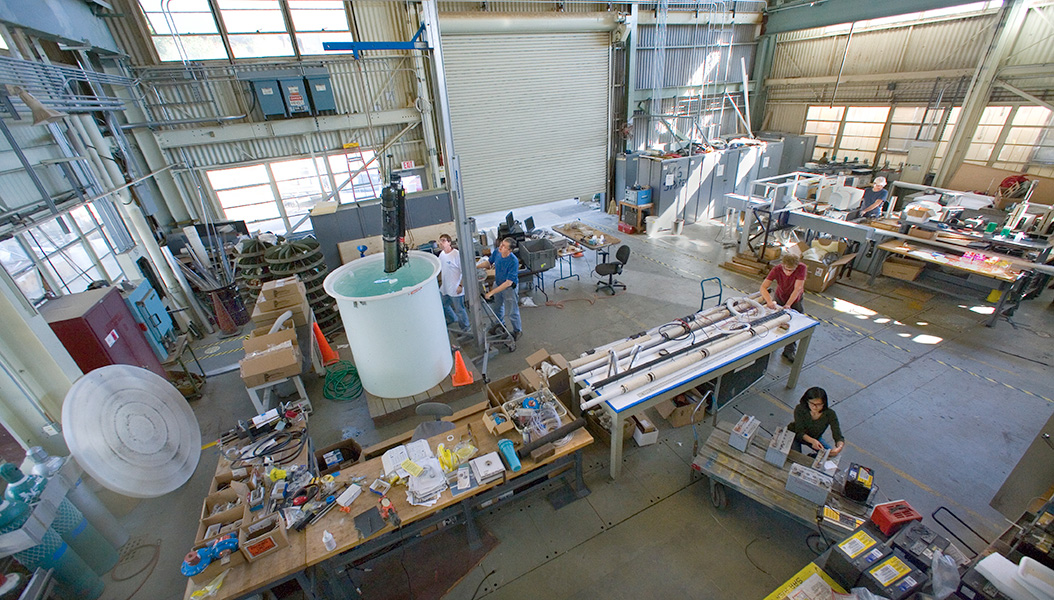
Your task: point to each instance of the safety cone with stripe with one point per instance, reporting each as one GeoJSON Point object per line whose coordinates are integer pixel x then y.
{"type": "Point", "coordinates": [461, 374]}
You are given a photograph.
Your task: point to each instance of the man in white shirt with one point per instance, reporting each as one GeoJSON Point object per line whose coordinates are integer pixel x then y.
{"type": "Point", "coordinates": [451, 290]}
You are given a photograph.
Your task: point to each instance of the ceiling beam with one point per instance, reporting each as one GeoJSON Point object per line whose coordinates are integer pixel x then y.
{"type": "Point", "coordinates": [1025, 95]}
{"type": "Point", "coordinates": [821, 13]}
{"type": "Point", "coordinates": [869, 78]}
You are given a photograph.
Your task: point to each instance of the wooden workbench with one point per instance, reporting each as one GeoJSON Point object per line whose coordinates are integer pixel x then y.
{"type": "Point", "coordinates": [306, 548]}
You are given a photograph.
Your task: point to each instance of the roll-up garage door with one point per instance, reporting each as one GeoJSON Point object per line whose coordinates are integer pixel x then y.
{"type": "Point", "coordinates": [529, 115]}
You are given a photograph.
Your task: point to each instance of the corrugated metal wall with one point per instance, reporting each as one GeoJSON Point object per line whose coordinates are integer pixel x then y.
{"type": "Point", "coordinates": [16, 188]}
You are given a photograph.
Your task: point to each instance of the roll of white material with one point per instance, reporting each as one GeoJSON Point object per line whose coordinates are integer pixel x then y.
{"type": "Point", "coordinates": [1002, 573]}
{"type": "Point", "coordinates": [394, 322]}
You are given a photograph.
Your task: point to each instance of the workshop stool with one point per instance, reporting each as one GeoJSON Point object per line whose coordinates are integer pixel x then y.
{"type": "Point", "coordinates": [720, 291]}
{"type": "Point", "coordinates": [261, 403]}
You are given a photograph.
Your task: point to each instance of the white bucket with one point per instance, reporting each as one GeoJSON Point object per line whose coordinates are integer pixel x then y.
{"type": "Point", "coordinates": [394, 323]}
{"type": "Point", "coordinates": [650, 227]}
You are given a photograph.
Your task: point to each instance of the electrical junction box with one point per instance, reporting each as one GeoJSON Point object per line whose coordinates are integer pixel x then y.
{"type": "Point", "coordinates": [294, 93]}
{"type": "Point", "coordinates": [809, 483]}
{"type": "Point", "coordinates": [893, 578]}
{"type": "Point", "coordinates": [269, 98]}
{"type": "Point", "coordinates": [320, 91]}
{"type": "Point", "coordinates": [918, 543]}
{"type": "Point", "coordinates": [743, 432]}
{"type": "Point", "coordinates": [854, 555]}
{"type": "Point", "coordinates": [779, 447]}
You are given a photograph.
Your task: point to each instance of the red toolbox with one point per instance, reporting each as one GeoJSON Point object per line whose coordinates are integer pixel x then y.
{"type": "Point", "coordinates": [891, 516]}
{"type": "Point", "coordinates": [626, 228]}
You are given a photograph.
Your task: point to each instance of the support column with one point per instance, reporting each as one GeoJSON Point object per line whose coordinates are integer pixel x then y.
{"type": "Point", "coordinates": [430, 16]}
{"type": "Point", "coordinates": [1011, 18]}
{"type": "Point", "coordinates": [764, 53]}
{"type": "Point", "coordinates": [631, 68]}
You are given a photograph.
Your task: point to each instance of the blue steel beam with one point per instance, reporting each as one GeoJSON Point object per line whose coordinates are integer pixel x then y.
{"type": "Point", "coordinates": [357, 47]}
{"type": "Point", "coordinates": [821, 13]}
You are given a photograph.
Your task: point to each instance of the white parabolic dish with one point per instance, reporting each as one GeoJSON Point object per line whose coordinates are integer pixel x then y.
{"type": "Point", "coordinates": [131, 430]}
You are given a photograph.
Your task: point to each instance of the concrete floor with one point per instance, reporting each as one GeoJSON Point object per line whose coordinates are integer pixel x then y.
{"type": "Point", "coordinates": [939, 405]}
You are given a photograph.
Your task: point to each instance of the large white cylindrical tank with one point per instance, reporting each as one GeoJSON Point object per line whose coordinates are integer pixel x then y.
{"type": "Point", "coordinates": [394, 322]}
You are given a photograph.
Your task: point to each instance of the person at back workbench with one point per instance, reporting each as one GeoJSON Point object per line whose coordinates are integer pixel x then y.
{"type": "Point", "coordinates": [812, 417]}
{"type": "Point", "coordinates": [790, 289]}
{"type": "Point", "coordinates": [874, 197]}
{"type": "Point", "coordinates": [506, 277]}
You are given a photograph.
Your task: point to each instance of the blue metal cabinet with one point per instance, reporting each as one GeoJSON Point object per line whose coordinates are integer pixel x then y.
{"type": "Point", "coordinates": [269, 98]}
{"type": "Point", "coordinates": [294, 93]}
{"type": "Point", "coordinates": [321, 92]}
{"type": "Point", "coordinates": [152, 316]}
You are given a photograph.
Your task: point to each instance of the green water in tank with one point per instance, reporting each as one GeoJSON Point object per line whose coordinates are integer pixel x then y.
{"type": "Point", "coordinates": [370, 280]}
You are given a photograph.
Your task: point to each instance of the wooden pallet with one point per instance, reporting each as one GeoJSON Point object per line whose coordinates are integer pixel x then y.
{"type": "Point", "coordinates": [388, 410]}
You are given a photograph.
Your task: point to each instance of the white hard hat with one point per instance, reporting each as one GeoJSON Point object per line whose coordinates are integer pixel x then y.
{"type": "Point", "coordinates": [879, 181]}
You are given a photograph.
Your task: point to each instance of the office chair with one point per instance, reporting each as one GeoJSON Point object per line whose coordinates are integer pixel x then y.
{"type": "Point", "coordinates": [429, 428]}
{"type": "Point", "coordinates": [610, 269]}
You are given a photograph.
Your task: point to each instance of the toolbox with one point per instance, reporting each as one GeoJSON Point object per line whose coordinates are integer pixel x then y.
{"type": "Point", "coordinates": [854, 555]}
{"type": "Point", "coordinates": [891, 516]}
{"type": "Point", "coordinates": [893, 577]}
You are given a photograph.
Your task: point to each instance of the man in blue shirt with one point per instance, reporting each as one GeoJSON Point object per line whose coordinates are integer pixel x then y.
{"type": "Point", "coordinates": [506, 277]}
{"type": "Point", "coordinates": [871, 205]}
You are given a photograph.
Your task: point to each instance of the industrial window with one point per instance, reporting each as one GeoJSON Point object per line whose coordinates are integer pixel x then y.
{"type": "Point", "coordinates": [1026, 139]}
{"type": "Point", "coordinates": [852, 132]}
{"type": "Point", "coordinates": [908, 124]}
{"type": "Point", "coordinates": [862, 132]}
{"type": "Point", "coordinates": [824, 122]}
{"type": "Point", "coordinates": [45, 260]}
{"type": "Point", "coordinates": [255, 28]}
{"type": "Point", "coordinates": [986, 136]}
{"type": "Point", "coordinates": [183, 30]}
{"type": "Point", "coordinates": [277, 196]}
{"type": "Point", "coordinates": [318, 21]}
{"type": "Point", "coordinates": [946, 136]}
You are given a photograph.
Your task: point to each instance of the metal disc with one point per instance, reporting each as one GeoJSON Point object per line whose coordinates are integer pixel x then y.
{"type": "Point", "coordinates": [131, 430]}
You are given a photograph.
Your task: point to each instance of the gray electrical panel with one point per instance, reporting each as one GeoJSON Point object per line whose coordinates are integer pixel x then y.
{"type": "Point", "coordinates": [295, 96]}
{"type": "Point", "coordinates": [701, 180]}
{"type": "Point", "coordinates": [626, 172]}
{"type": "Point", "coordinates": [667, 179]}
{"type": "Point", "coordinates": [321, 92]}
{"type": "Point", "coordinates": [770, 160]}
{"type": "Point", "coordinates": [269, 98]}
{"type": "Point", "coordinates": [724, 179]}
{"type": "Point", "coordinates": [797, 149]}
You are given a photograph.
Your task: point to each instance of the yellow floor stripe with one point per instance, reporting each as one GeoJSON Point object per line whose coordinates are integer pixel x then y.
{"type": "Point", "coordinates": [209, 445]}
{"type": "Point", "coordinates": [990, 380]}
{"type": "Point", "coordinates": [843, 376]}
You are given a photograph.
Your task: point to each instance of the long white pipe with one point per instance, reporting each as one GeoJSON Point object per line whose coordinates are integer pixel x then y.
{"type": "Point", "coordinates": [686, 361]}
{"type": "Point", "coordinates": [655, 344]}
{"type": "Point", "coordinates": [622, 347]}
{"type": "Point", "coordinates": [651, 351]}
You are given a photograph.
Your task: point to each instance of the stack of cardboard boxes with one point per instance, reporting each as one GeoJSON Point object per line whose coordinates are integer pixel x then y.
{"type": "Point", "coordinates": [271, 357]}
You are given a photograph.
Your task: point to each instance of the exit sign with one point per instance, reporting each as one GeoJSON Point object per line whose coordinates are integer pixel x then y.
{"type": "Point", "coordinates": [408, 164]}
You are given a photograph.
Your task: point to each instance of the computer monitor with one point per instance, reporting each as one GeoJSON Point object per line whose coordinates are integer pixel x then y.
{"type": "Point", "coordinates": [510, 222]}
{"type": "Point", "coordinates": [528, 225]}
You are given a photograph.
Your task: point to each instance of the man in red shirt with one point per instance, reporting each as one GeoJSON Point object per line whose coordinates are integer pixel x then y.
{"type": "Point", "coordinates": [790, 289]}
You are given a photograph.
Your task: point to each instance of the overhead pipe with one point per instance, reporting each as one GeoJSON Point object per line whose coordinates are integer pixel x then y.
{"type": "Point", "coordinates": [152, 124]}
{"type": "Point", "coordinates": [686, 361]}
{"type": "Point", "coordinates": [474, 24]}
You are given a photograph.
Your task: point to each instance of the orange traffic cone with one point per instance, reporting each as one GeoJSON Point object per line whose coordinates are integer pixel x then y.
{"type": "Point", "coordinates": [461, 374]}
{"type": "Point", "coordinates": [223, 318]}
{"type": "Point", "coordinates": [329, 356]}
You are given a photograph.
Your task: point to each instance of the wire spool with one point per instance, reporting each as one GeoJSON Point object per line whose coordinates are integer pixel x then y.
{"type": "Point", "coordinates": [251, 268]}
{"type": "Point", "coordinates": [131, 430]}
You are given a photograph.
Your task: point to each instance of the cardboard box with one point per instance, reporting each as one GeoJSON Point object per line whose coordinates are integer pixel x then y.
{"type": "Point", "coordinates": [266, 318]}
{"type": "Point", "coordinates": [289, 293]}
{"type": "Point", "coordinates": [559, 383]}
{"type": "Point", "coordinates": [491, 418]}
{"type": "Point", "coordinates": [678, 411]}
{"type": "Point", "coordinates": [602, 433]}
{"type": "Point", "coordinates": [820, 276]}
{"type": "Point", "coordinates": [349, 450]}
{"type": "Point", "coordinates": [922, 233]}
{"type": "Point", "coordinates": [223, 479]}
{"type": "Point", "coordinates": [212, 526]}
{"type": "Point", "coordinates": [232, 560]}
{"type": "Point", "coordinates": [501, 390]}
{"type": "Point", "coordinates": [262, 537]}
{"type": "Point", "coordinates": [644, 433]}
{"type": "Point", "coordinates": [902, 268]}
{"type": "Point", "coordinates": [270, 358]}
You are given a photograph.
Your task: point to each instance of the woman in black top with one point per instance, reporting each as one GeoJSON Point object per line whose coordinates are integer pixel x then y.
{"type": "Point", "coordinates": [811, 419]}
